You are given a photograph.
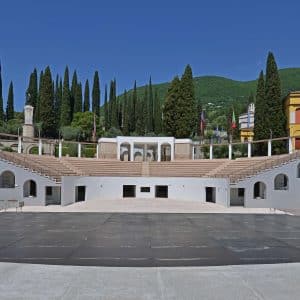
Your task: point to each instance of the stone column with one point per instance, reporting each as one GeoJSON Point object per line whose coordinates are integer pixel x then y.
{"type": "Point", "coordinates": [269, 148]}
{"type": "Point", "coordinates": [131, 151]}
{"type": "Point", "coordinates": [230, 151]}
{"type": "Point", "coordinates": [97, 151]}
{"type": "Point", "coordinates": [249, 149]}
{"type": "Point", "coordinates": [172, 151]}
{"type": "Point", "coordinates": [210, 151]}
{"type": "Point", "coordinates": [19, 144]}
{"type": "Point", "coordinates": [290, 145]}
{"type": "Point", "coordinates": [60, 149]}
{"type": "Point", "coordinates": [118, 151]}
{"type": "Point", "coordinates": [159, 152]}
{"type": "Point", "coordinates": [40, 147]}
{"type": "Point", "coordinates": [79, 150]}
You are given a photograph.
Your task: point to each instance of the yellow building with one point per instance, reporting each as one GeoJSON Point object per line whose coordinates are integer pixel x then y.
{"type": "Point", "coordinates": [292, 111]}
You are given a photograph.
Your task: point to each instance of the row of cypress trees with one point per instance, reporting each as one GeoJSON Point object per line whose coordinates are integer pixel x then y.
{"type": "Point", "coordinates": [56, 102]}
{"type": "Point", "coordinates": [270, 119]}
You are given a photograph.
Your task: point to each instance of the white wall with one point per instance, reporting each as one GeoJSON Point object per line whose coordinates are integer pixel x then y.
{"type": "Point", "coordinates": [111, 188]}
{"type": "Point", "coordinates": [274, 198]}
{"type": "Point", "coordinates": [21, 176]}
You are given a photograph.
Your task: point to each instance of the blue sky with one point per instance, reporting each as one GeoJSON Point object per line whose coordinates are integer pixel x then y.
{"type": "Point", "coordinates": [133, 39]}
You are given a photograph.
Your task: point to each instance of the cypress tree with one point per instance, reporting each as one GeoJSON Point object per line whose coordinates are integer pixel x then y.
{"type": "Point", "coordinates": [275, 120]}
{"type": "Point", "coordinates": [47, 113]}
{"type": "Point", "coordinates": [157, 114]}
{"type": "Point", "coordinates": [78, 98]}
{"type": "Point", "coordinates": [170, 111]}
{"type": "Point", "coordinates": [57, 100]}
{"type": "Point", "coordinates": [65, 115]}
{"type": "Point", "coordinates": [73, 93]}
{"type": "Point", "coordinates": [125, 114]}
{"type": "Point", "coordinates": [38, 106]}
{"type": "Point", "coordinates": [150, 108]}
{"type": "Point", "coordinates": [260, 131]}
{"type": "Point", "coordinates": [144, 116]}
{"type": "Point", "coordinates": [133, 110]}
{"type": "Point", "coordinates": [32, 92]}
{"type": "Point", "coordinates": [113, 102]}
{"type": "Point", "coordinates": [96, 95]}
{"type": "Point", "coordinates": [186, 105]}
{"type": "Point", "coordinates": [1, 101]}
{"type": "Point", "coordinates": [140, 121]}
{"type": "Point", "coordinates": [86, 103]}
{"type": "Point", "coordinates": [10, 112]}
{"type": "Point", "coordinates": [106, 112]}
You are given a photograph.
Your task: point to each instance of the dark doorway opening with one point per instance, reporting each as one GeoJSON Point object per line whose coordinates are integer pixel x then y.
{"type": "Point", "coordinates": [80, 194]}
{"type": "Point", "coordinates": [161, 191]}
{"type": "Point", "coordinates": [210, 194]}
{"type": "Point", "coordinates": [237, 197]}
{"type": "Point", "coordinates": [129, 191]}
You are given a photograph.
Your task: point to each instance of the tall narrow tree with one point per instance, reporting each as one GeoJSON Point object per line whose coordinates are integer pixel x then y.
{"type": "Point", "coordinates": [86, 103]}
{"type": "Point", "coordinates": [187, 122]}
{"type": "Point", "coordinates": [170, 112]}
{"type": "Point", "coordinates": [157, 114]}
{"type": "Point", "coordinates": [106, 112]}
{"type": "Point", "coordinates": [96, 94]}
{"type": "Point", "coordinates": [1, 100]}
{"type": "Point", "coordinates": [73, 93]}
{"type": "Point", "coordinates": [78, 99]}
{"type": "Point", "coordinates": [32, 92]}
{"type": "Point", "coordinates": [113, 105]}
{"type": "Point", "coordinates": [65, 115]}
{"type": "Point", "coordinates": [10, 112]}
{"type": "Point", "coordinates": [47, 113]}
{"type": "Point", "coordinates": [150, 108]}
{"type": "Point", "coordinates": [133, 110]}
{"type": "Point", "coordinates": [125, 114]}
{"type": "Point", "coordinates": [57, 100]}
{"type": "Point", "coordinates": [38, 106]}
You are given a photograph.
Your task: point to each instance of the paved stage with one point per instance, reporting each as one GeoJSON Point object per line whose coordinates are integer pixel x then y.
{"type": "Point", "coordinates": [142, 240]}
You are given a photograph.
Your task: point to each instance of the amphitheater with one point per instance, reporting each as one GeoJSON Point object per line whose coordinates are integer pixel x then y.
{"type": "Point", "coordinates": [116, 172]}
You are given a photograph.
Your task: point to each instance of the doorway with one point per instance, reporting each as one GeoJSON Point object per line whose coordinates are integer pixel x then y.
{"type": "Point", "coordinates": [210, 194]}
{"type": "Point", "coordinates": [237, 197]}
{"type": "Point", "coordinates": [161, 191]}
{"type": "Point", "coordinates": [129, 191]}
{"type": "Point", "coordinates": [80, 193]}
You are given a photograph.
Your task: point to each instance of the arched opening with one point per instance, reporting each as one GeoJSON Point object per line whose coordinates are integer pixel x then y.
{"type": "Point", "coordinates": [125, 152]}
{"type": "Point", "coordinates": [259, 190]}
{"type": "Point", "coordinates": [165, 152]}
{"type": "Point", "coordinates": [138, 156]}
{"type": "Point", "coordinates": [29, 189]}
{"type": "Point", "coordinates": [298, 170]}
{"type": "Point", "coordinates": [297, 116]}
{"type": "Point", "coordinates": [7, 180]}
{"type": "Point", "coordinates": [281, 182]}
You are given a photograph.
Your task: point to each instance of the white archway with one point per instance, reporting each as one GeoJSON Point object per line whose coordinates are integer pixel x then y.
{"type": "Point", "coordinates": [165, 152]}
{"type": "Point", "coordinates": [125, 150]}
{"type": "Point", "coordinates": [259, 190]}
{"type": "Point", "coordinates": [29, 189]}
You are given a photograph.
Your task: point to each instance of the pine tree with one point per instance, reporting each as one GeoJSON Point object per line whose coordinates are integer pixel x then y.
{"type": "Point", "coordinates": [32, 92]}
{"type": "Point", "coordinates": [150, 108]}
{"type": "Point", "coordinates": [157, 114]}
{"type": "Point", "coordinates": [186, 105]}
{"type": "Point", "coordinates": [260, 131]}
{"type": "Point", "coordinates": [10, 112]}
{"type": "Point", "coordinates": [96, 95]}
{"type": "Point", "coordinates": [275, 119]}
{"type": "Point", "coordinates": [125, 114]}
{"type": "Point", "coordinates": [38, 106]}
{"type": "Point", "coordinates": [170, 112]}
{"type": "Point", "coordinates": [47, 113]}
{"type": "Point", "coordinates": [65, 115]}
{"type": "Point", "coordinates": [86, 103]}
{"type": "Point", "coordinates": [1, 101]}
{"type": "Point", "coordinates": [78, 99]}
{"type": "Point", "coordinates": [106, 112]}
{"type": "Point", "coordinates": [73, 93]}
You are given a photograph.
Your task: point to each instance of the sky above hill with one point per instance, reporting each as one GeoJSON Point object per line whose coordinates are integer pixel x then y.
{"type": "Point", "coordinates": [133, 39]}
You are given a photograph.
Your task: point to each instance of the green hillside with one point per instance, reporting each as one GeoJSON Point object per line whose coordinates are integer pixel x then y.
{"type": "Point", "coordinates": [220, 90]}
